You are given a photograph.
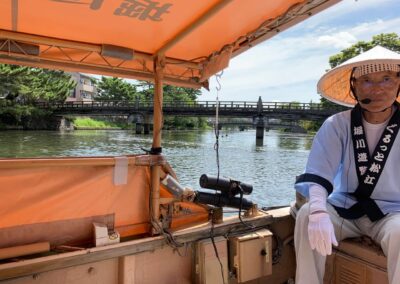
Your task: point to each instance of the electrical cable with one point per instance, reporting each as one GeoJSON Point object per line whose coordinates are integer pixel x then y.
{"type": "Point", "coordinates": [268, 208]}
{"type": "Point", "coordinates": [216, 148]}
{"type": "Point", "coordinates": [216, 126]}
{"type": "Point", "coordinates": [278, 252]}
{"type": "Point", "coordinates": [240, 209]}
{"type": "Point", "coordinates": [215, 246]}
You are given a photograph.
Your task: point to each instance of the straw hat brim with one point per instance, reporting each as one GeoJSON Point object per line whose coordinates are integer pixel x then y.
{"type": "Point", "coordinates": [335, 84]}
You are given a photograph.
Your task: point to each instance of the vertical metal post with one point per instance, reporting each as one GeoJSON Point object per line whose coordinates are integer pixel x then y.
{"type": "Point", "coordinates": [157, 126]}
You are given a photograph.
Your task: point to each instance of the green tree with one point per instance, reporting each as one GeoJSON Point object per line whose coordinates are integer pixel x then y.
{"type": "Point", "coordinates": [180, 94]}
{"type": "Point", "coordinates": [327, 104]}
{"type": "Point", "coordinates": [390, 41]}
{"type": "Point", "coordinates": [115, 89]}
{"type": "Point", "coordinates": [34, 84]}
{"type": "Point", "coordinates": [184, 95]}
{"type": "Point", "coordinates": [145, 90]}
{"type": "Point", "coordinates": [18, 83]}
{"type": "Point", "coordinates": [10, 77]}
{"type": "Point", "coordinates": [292, 104]}
{"type": "Point", "coordinates": [47, 85]}
{"type": "Point", "coordinates": [170, 93]}
{"type": "Point", "coordinates": [174, 94]}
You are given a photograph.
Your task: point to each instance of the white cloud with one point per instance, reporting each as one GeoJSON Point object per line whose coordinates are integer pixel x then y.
{"type": "Point", "coordinates": [362, 31]}
{"type": "Point", "coordinates": [338, 40]}
{"type": "Point", "coordinates": [287, 67]}
{"type": "Point", "coordinates": [376, 27]}
{"type": "Point", "coordinates": [353, 6]}
{"type": "Point", "coordinates": [346, 8]}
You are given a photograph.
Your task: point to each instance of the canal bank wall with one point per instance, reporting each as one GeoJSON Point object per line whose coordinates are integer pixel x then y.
{"type": "Point", "coordinates": [36, 123]}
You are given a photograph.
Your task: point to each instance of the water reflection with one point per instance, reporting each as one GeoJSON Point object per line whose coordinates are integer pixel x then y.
{"type": "Point", "coordinates": [288, 143]}
{"type": "Point", "coordinates": [259, 143]}
{"type": "Point", "coordinates": [308, 143]}
{"type": "Point", "coordinates": [270, 168]}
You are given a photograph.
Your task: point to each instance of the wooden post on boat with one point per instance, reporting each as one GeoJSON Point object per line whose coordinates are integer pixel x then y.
{"type": "Point", "coordinates": [159, 61]}
{"type": "Point", "coordinates": [156, 146]}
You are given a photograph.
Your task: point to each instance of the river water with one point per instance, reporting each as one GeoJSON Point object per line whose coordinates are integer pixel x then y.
{"type": "Point", "coordinates": [270, 168]}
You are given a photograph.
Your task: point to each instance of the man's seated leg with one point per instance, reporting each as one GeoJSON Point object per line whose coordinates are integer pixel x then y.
{"type": "Point", "coordinates": [343, 228]}
{"type": "Point", "coordinates": [310, 264]}
{"type": "Point", "coordinates": [387, 233]}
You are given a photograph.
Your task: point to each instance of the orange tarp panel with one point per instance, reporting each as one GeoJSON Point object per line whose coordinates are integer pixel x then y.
{"type": "Point", "coordinates": [57, 193]}
{"type": "Point", "coordinates": [45, 193]}
{"type": "Point", "coordinates": [71, 192]}
{"type": "Point", "coordinates": [99, 36]}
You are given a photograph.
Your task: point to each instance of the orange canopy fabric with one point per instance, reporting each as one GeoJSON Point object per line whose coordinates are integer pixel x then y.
{"type": "Point", "coordinates": [122, 37]}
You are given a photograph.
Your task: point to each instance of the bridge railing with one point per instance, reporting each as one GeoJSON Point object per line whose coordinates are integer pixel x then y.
{"type": "Point", "coordinates": [238, 105]}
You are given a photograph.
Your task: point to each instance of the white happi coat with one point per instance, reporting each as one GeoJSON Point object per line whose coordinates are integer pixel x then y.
{"type": "Point", "coordinates": [332, 158]}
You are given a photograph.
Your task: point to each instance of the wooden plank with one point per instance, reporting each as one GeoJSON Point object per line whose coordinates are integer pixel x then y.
{"type": "Point", "coordinates": [137, 160]}
{"type": "Point", "coordinates": [105, 271]}
{"type": "Point", "coordinates": [24, 250]}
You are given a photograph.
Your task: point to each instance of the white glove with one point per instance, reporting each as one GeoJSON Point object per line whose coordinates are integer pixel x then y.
{"type": "Point", "coordinates": [321, 233]}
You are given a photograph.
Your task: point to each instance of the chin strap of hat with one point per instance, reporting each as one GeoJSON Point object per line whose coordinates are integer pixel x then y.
{"type": "Point", "coordinates": [352, 89]}
{"type": "Point", "coordinates": [398, 90]}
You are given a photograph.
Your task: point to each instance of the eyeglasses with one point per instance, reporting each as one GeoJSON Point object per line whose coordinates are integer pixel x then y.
{"type": "Point", "coordinates": [384, 82]}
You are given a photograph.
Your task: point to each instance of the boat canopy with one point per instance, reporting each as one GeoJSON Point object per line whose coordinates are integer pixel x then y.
{"type": "Point", "coordinates": [122, 38]}
{"type": "Point", "coordinates": [176, 42]}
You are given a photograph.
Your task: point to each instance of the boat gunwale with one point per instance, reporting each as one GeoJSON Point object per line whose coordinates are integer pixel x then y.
{"type": "Point", "coordinates": [189, 235]}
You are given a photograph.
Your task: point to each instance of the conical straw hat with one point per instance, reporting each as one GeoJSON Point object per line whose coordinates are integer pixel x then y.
{"type": "Point", "coordinates": [335, 84]}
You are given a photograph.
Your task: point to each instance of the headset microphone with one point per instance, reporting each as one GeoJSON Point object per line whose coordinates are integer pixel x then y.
{"type": "Point", "coordinates": [366, 101]}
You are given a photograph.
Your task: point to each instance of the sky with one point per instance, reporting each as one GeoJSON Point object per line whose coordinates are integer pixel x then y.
{"type": "Point", "coordinates": [288, 66]}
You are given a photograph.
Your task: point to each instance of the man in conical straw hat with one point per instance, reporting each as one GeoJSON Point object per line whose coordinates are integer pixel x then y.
{"type": "Point", "coordinates": [352, 173]}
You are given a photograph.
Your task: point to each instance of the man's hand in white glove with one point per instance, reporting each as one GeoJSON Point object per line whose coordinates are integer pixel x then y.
{"type": "Point", "coordinates": [321, 233]}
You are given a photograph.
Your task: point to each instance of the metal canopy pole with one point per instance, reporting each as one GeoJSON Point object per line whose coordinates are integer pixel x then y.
{"type": "Point", "coordinates": [156, 146]}
{"type": "Point", "coordinates": [88, 47]}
